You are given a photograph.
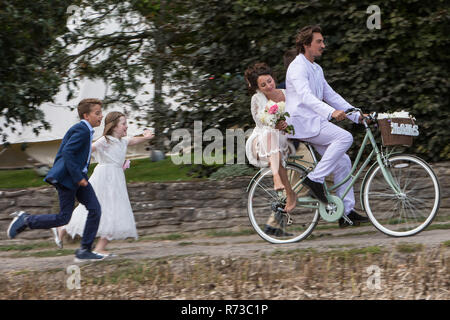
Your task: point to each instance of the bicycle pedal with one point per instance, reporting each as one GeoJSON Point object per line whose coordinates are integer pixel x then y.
{"type": "Point", "coordinates": [350, 222]}
{"type": "Point", "coordinates": [290, 221]}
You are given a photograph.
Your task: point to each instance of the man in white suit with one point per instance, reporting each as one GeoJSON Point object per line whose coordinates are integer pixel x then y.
{"type": "Point", "coordinates": [311, 103]}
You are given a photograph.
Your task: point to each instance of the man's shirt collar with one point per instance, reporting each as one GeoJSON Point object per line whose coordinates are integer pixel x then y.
{"type": "Point", "coordinates": [88, 125]}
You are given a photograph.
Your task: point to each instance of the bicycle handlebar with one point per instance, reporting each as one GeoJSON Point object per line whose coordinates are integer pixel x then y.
{"type": "Point", "coordinates": [371, 116]}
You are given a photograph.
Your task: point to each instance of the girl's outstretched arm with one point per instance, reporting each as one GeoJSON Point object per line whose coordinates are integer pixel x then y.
{"type": "Point", "coordinates": [147, 135]}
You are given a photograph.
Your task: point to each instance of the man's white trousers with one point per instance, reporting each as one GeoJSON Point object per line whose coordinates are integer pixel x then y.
{"type": "Point", "coordinates": [332, 144]}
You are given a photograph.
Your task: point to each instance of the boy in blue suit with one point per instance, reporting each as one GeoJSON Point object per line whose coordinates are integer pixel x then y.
{"type": "Point", "coordinates": [69, 176]}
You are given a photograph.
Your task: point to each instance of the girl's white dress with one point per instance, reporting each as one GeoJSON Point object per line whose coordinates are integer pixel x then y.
{"type": "Point", "coordinates": [264, 141]}
{"type": "Point", "coordinates": [108, 181]}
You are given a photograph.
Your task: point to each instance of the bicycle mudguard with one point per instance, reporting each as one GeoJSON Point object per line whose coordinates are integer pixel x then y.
{"type": "Point", "coordinates": [252, 181]}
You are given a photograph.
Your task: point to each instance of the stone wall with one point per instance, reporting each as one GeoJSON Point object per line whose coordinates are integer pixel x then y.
{"type": "Point", "coordinates": [171, 207]}
{"type": "Point", "coordinates": [159, 207]}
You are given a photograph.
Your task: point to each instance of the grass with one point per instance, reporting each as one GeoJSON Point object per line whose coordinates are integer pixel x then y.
{"type": "Point", "coordinates": [186, 243]}
{"type": "Point", "coordinates": [294, 252]}
{"type": "Point", "coordinates": [355, 251]}
{"type": "Point", "coordinates": [141, 170]}
{"type": "Point", "coordinates": [44, 254]}
{"type": "Point", "coordinates": [171, 236]}
{"type": "Point", "coordinates": [438, 227]}
{"type": "Point", "coordinates": [409, 247]}
{"type": "Point", "coordinates": [227, 233]}
{"type": "Point", "coordinates": [446, 243]}
{"type": "Point", "coordinates": [335, 253]}
{"type": "Point", "coordinates": [210, 233]}
{"type": "Point", "coordinates": [26, 247]}
{"type": "Point", "coordinates": [26, 178]}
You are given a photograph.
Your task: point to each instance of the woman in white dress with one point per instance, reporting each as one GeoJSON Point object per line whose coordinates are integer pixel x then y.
{"type": "Point", "coordinates": [108, 181]}
{"type": "Point", "coordinates": [268, 146]}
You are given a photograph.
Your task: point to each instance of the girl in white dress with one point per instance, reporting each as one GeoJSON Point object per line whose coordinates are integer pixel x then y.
{"type": "Point", "coordinates": [108, 181]}
{"type": "Point", "coordinates": [268, 146]}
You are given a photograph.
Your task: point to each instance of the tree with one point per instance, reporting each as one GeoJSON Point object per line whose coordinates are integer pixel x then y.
{"type": "Point", "coordinates": [147, 42]}
{"type": "Point", "coordinates": [30, 74]}
{"type": "Point", "coordinates": [402, 66]}
{"type": "Point", "coordinates": [202, 48]}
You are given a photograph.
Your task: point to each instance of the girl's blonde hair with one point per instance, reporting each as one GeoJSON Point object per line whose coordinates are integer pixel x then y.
{"type": "Point", "coordinates": [111, 121]}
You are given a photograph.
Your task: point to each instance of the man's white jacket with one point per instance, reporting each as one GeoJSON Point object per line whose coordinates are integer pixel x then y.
{"type": "Point", "coordinates": [310, 99]}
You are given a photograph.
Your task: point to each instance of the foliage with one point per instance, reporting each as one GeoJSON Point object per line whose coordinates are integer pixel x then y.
{"type": "Point", "coordinates": [30, 73]}
{"type": "Point", "coordinates": [201, 48]}
{"type": "Point", "coordinates": [132, 46]}
{"type": "Point", "coordinates": [234, 170]}
{"type": "Point", "coordinates": [403, 65]}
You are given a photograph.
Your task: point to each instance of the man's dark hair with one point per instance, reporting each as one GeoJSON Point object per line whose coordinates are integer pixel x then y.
{"type": "Point", "coordinates": [305, 36]}
{"type": "Point", "coordinates": [85, 106]}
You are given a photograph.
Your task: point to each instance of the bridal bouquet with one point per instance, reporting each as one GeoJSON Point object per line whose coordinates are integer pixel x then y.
{"type": "Point", "coordinates": [274, 113]}
{"type": "Point", "coordinates": [126, 165]}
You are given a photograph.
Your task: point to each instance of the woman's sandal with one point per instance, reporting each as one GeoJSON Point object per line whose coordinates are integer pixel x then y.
{"type": "Point", "coordinates": [58, 241]}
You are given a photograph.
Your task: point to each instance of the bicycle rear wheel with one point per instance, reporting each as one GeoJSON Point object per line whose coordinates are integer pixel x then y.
{"type": "Point", "coordinates": [263, 202]}
{"type": "Point", "coordinates": [409, 212]}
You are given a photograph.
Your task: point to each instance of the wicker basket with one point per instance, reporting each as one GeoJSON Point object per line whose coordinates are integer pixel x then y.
{"type": "Point", "coordinates": [389, 139]}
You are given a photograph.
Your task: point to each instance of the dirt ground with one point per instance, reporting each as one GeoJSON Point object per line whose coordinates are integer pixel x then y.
{"type": "Point", "coordinates": [333, 264]}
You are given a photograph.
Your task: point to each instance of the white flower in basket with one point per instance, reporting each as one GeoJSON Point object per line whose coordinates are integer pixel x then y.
{"type": "Point", "coordinates": [401, 123]}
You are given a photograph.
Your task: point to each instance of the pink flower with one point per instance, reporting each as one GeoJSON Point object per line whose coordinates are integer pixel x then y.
{"type": "Point", "coordinates": [126, 164]}
{"type": "Point", "coordinates": [273, 109]}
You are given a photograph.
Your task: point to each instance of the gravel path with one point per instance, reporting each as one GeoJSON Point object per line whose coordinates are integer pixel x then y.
{"type": "Point", "coordinates": [245, 246]}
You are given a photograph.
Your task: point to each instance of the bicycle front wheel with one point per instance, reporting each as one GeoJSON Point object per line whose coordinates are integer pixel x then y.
{"type": "Point", "coordinates": [275, 226]}
{"type": "Point", "coordinates": [410, 211]}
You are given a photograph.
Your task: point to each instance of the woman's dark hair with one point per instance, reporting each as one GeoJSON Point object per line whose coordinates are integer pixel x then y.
{"type": "Point", "coordinates": [252, 74]}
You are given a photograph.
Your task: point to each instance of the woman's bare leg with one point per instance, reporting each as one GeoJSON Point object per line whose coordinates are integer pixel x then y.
{"type": "Point", "coordinates": [281, 181]}
{"type": "Point", "coordinates": [61, 232]}
{"type": "Point", "coordinates": [275, 168]}
{"type": "Point", "coordinates": [291, 200]}
{"type": "Point", "coordinates": [100, 247]}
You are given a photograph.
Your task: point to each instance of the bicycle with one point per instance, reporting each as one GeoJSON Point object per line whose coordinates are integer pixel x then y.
{"type": "Point", "coordinates": [396, 203]}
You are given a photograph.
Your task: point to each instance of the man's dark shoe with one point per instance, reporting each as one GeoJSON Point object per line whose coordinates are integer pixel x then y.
{"type": "Point", "coordinates": [316, 189]}
{"type": "Point", "coordinates": [278, 232]}
{"type": "Point", "coordinates": [85, 255]}
{"type": "Point", "coordinates": [18, 224]}
{"type": "Point", "coordinates": [355, 217]}
{"type": "Point", "coordinates": [344, 224]}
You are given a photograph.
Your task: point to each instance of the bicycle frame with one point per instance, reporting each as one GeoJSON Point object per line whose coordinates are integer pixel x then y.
{"type": "Point", "coordinates": [379, 159]}
{"type": "Point", "coordinates": [383, 167]}
{"type": "Point", "coordinates": [309, 166]}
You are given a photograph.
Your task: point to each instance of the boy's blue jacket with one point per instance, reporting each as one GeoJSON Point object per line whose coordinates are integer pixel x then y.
{"type": "Point", "coordinates": [71, 157]}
